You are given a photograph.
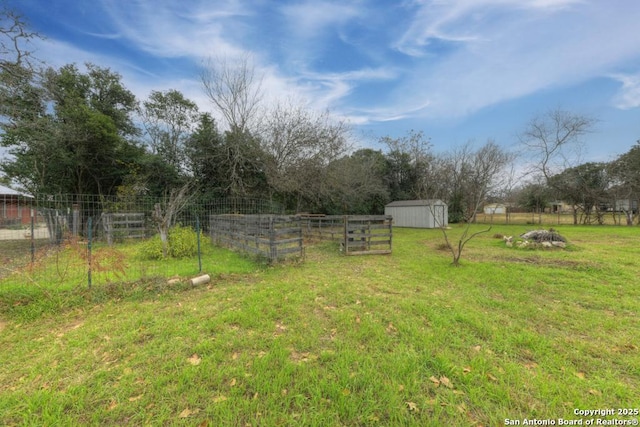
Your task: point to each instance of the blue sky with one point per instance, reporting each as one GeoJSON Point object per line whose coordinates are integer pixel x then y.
{"type": "Point", "coordinates": [458, 70]}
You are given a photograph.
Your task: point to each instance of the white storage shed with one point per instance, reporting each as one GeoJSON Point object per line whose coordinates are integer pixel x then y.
{"type": "Point", "coordinates": [432, 213]}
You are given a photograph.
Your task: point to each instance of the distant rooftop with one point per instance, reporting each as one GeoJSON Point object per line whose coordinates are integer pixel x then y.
{"type": "Point", "coordinates": [6, 191]}
{"type": "Point", "coordinates": [426, 202]}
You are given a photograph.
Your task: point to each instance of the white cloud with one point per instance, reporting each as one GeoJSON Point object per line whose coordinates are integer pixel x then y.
{"type": "Point", "coordinates": [309, 19]}
{"type": "Point", "coordinates": [629, 95]}
{"type": "Point", "coordinates": [177, 29]}
{"type": "Point", "coordinates": [442, 59]}
{"type": "Point", "coordinates": [508, 52]}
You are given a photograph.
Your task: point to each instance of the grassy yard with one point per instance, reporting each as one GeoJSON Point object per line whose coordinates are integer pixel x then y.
{"type": "Point", "coordinates": [404, 340]}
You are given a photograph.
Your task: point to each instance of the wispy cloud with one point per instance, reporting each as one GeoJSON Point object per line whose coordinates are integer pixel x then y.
{"type": "Point", "coordinates": [629, 95]}
{"type": "Point", "coordinates": [370, 61]}
{"type": "Point", "coordinates": [309, 19]}
{"type": "Point", "coordinates": [510, 49]}
{"type": "Point", "coordinates": [177, 29]}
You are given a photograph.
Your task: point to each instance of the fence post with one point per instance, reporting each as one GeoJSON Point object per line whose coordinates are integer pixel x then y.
{"type": "Point", "coordinates": [273, 250]}
{"type": "Point", "coordinates": [198, 237]}
{"type": "Point", "coordinates": [33, 247]}
{"type": "Point", "coordinates": [75, 220]}
{"type": "Point", "coordinates": [89, 237]}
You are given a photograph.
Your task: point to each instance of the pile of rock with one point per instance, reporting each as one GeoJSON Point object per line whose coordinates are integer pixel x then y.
{"type": "Point", "coordinates": [544, 238]}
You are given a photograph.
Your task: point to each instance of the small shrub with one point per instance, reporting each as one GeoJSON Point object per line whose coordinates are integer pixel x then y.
{"type": "Point", "coordinates": [152, 248]}
{"type": "Point", "coordinates": [183, 242]}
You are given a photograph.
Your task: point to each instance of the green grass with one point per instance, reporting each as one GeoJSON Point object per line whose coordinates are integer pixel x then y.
{"type": "Point", "coordinates": [405, 339]}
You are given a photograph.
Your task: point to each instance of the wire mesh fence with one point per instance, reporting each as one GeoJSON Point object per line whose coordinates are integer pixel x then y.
{"type": "Point", "coordinates": [86, 240]}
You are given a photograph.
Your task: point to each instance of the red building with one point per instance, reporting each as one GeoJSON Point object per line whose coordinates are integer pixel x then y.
{"type": "Point", "coordinates": [15, 207]}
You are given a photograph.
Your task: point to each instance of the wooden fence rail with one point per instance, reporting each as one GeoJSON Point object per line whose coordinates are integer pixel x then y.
{"type": "Point", "coordinates": [274, 237]}
{"type": "Point", "coordinates": [123, 225]}
{"type": "Point", "coordinates": [357, 234]}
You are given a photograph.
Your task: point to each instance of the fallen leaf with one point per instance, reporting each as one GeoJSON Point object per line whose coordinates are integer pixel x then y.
{"type": "Point", "coordinates": [188, 412]}
{"type": "Point", "coordinates": [232, 383]}
{"type": "Point", "coordinates": [466, 369]}
{"type": "Point", "coordinates": [446, 382]}
{"type": "Point", "coordinates": [134, 398]}
{"type": "Point", "coordinates": [477, 348]}
{"type": "Point", "coordinates": [594, 392]}
{"type": "Point", "coordinates": [462, 408]}
{"type": "Point", "coordinates": [458, 392]}
{"type": "Point", "coordinates": [580, 375]}
{"type": "Point", "coordinates": [531, 365]}
{"type": "Point", "coordinates": [112, 405]}
{"type": "Point", "coordinates": [400, 387]}
{"type": "Point", "coordinates": [492, 377]}
{"type": "Point", "coordinates": [194, 359]}
{"type": "Point", "coordinates": [219, 398]}
{"type": "Point", "coordinates": [412, 407]}
{"type": "Point", "coordinates": [434, 380]}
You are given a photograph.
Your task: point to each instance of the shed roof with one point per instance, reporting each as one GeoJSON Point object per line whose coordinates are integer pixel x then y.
{"type": "Point", "coordinates": [6, 191]}
{"type": "Point", "coordinates": [426, 202]}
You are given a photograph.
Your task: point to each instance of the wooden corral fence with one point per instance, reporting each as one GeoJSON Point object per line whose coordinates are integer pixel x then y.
{"type": "Point", "coordinates": [323, 227]}
{"type": "Point", "coordinates": [123, 226]}
{"type": "Point", "coordinates": [357, 234]}
{"type": "Point", "coordinates": [274, 237]}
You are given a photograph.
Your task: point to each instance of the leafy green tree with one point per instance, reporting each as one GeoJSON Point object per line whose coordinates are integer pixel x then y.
{"type": "Point", "coordinates": [204, 154]}
{"type": "Point", "coordinates": [169, 119]}
{"type": "Point", "coordinates": [356, 184]}
{"type": "Point", "coordinates": [409, 166]}
{"type": "Point", "coordinates": [586, 188]}
{"type": "Point", "coordinates": [534, 197]}
{"type": "Point", "coordinates": [625, 174]}
{"type": "Point", "coordinates": [77, 139]}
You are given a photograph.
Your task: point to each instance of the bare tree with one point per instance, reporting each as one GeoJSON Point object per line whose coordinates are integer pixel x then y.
{"type": "Point", "coordinates": [20, 89]}
{"type": "Point", "coordinates": [166, 212]}
{"type": "Point", "coordinates": [466, 177]}
{"type": "Point", "coordinates": [299, 145]}
{"type": "Point", "coordinates": [234, 90]}
{"type": "Point", "coordinates": [236, 93]}
{"type": "Point", "coordinates": [553, 141]}
{"type": "Point", "coordinates": [15, 37]}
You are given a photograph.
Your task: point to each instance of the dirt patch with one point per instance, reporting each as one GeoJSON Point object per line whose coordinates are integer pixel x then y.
{"type": "Point", "coordinates": [2, 325]}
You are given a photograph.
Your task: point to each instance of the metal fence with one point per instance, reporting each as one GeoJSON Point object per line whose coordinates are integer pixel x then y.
{"type": "Point", "coordinates": [85, 240]}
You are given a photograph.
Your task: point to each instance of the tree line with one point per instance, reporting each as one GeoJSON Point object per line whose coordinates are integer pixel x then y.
{"type": "Point", "coordinates": [79, 130]}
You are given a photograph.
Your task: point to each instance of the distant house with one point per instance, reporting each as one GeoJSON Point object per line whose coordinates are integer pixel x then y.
{"type": "Point", "coordinates": [626, 205]}
{"type": "Point", "coordinates": [495, 209]}
{"type": "Point", "coordinates": [15, 207]}
{"type": "Point", "coordinates": [431, 213]}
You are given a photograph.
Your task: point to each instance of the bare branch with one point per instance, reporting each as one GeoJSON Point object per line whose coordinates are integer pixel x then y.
{"type": "Point", "coordinates": [234, 90]}
{"type": "Point", "coordinates": [554, 140]}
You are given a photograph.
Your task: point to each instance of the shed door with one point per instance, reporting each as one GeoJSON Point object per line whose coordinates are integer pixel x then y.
{"type": "Point", "coordinates": [439, 216]}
